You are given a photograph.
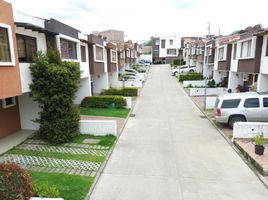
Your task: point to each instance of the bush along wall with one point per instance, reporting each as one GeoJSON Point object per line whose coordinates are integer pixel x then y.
{"type": "Point", "coordinates": [54, 86]}
{"type": "Point", "coordinates": [15, 182]}
{"type": "Point", "coordinates": [125, 91]}
{"type": "Point", "coordinates": [190, 77]}
{"type": "Point", "coordinates": [104, 102]}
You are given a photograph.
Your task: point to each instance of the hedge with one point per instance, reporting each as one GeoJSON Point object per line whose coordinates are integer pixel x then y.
{"type": "Point", "coordinates": [125, 91]}
{"type": "Point", "coordinates": [190, 76]}
{"type": "Point", "coordinates": [104, 102]}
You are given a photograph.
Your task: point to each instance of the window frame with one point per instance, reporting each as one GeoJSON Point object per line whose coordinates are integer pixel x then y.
{"type": "Point", "coordinates": [111, 55]}
{"type": "Point", "coordinates": [171, 41]}
{"type": "Point", "coordinates": [172, 54]}
{"type": "Point", "coordinates": [163, 41]}
{"type": "Point", "coordinates": [221, 53]}
{"type": "Point", "coordinates": [11, 46]}
{"type": "Point", "coordinates": [4, 104]}
{"type": "Point", "coordinates": [95, 53]}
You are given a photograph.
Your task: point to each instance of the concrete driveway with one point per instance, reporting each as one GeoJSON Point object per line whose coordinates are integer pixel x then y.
{"type": "Point", "coordinates": [169, 152]}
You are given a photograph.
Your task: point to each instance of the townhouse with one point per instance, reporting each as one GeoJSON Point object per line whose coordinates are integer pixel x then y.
{"type": "Point", "coordinates": [245, 60]}
{"type": "Point", "coordinates": [10, 83]}
{"type": "Point", "coordinates": [223, 57]}
{"type": "Point", "coordinates": [193, 52]}
{"type": "Point", "coordinates": [166, 49]}
{"type": "Point", "coordinates": [98, 63]}
{"type": "Point", "coordinates": [262, 85]}
{"type": "Point", "coordinates": [209, 56]}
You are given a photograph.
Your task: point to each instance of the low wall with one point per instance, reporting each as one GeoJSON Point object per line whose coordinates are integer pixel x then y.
{"type": "Point", "coordinates": [197, 83]}
{"type": "Point", "coordinates": [129, 102]}
{"type": "Point", "coordinates": [98, 127]}
{"type": "Point", "coordinates": [250, 129]}
{"type": "Point", "coordinates": [210, 91]}
{"type": "Point", "coordinates": [210, 102]}
{"type": "Point", "coordinates": [127, 84]}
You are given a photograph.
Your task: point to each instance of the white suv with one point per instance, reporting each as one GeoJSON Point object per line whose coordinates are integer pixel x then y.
{"type": "Point", "coordinates": [183, 69]}
{"type": "Point", "coordinates": [241, 107]}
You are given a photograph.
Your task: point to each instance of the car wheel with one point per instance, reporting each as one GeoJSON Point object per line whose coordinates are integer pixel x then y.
{"type": "Point", "coordinates": [191, 71]}
{"type": "Point", "coordinates": [234, 119]}
{"type": "Point", "coordinates": [175, 73]}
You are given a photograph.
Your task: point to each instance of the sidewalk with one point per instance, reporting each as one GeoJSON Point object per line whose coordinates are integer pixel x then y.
{"type": "Point", "coordinates": [170, 152]}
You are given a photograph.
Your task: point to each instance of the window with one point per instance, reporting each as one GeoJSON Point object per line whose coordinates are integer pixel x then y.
{"type": "Point", "coordinates": [8, 102]}
{"type": "Point", "coordinates": [245, 49]}
{"type": "Point", "coordinates": [157, 42]}
{"type": "Point", "coordinates": [221, 53]}
{"type": "Point", "coordinates": [68, 49]}
{"type": "Point", "coordinates": [99, 53]}
{"type": "Point", "coordinates": [83, 54]}
{"type": "Point", "coordinates": [27, 48]}
{"type": "Point", "coordinates": [252, 103]}
{"type": "Point", "coordinates": [266, 45]}
{"type": "Point", "coordinates": [5, 55]}
{"type": "Point", "coordinates": [113, 56]}
{"type": "Point", "coordinates": [171, 51]}
{"type": "Point", "coordinates": [209, 51]}
{"type": "Point", "coordinates": [170, 42]}
{"type": "Point", "coordinates": [265, 102]}
{"type": "Point", "coordinates": [235, 49]}
{"type": "Point", "coordinates": [122, 55]}
{"type": "Point", "coordinates": [128, 53]}
{"type": "Point", "coordinates": [163, 44]}
{"type": "Point", "coordinates": [231, 103]}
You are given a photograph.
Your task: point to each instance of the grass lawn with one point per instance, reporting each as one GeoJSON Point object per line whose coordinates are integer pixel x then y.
{"type": "Point", "coordinates": [71, 187]}
{"type": "Point", "coordinates": [106, 112]}
{"type": "Point", "coordinates": [107, 140]}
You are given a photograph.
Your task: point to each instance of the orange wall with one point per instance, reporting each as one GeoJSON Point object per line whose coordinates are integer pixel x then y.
{"type": "Point", "coordinates": [9, 119]}
{"type": "Point", "coordinates": [9, 75]}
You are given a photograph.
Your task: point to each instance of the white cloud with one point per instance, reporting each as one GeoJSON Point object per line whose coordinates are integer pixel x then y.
{"type": "Point", "coordinates": [141, 19]}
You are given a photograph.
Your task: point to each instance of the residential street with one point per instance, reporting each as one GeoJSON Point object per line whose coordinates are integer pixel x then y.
{"type": "Point", "coordinates": [168, 152]}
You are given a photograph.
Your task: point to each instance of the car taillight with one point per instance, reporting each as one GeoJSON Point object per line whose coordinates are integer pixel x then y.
{"type": "Point", "coordinates": [218, 112]}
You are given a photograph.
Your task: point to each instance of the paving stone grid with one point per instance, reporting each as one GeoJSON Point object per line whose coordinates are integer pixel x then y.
{"type": "Point", "coordinates": [56, 149]}
{"type": "Point", "coordinates": [56, 165]}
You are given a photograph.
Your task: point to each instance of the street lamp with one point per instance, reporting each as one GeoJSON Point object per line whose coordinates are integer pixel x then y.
{"type": "Point", "coordinates": [206, 68]}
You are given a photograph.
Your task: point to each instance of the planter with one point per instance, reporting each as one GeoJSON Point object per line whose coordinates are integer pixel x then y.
{"type": "Point", "coordinates": [259, 149]}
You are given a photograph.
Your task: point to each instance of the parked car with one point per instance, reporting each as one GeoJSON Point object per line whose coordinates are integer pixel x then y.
{"type": "Point", "coordinates": [144, 63]}
{"type": "Point", "coordinates": [134, 73]}
{"type": "Point", "coordinates": [128, 77]}
{"type": "Point", "coordinates": [183, 69]}
{"type": "Point", "coordinates": [241, 107]}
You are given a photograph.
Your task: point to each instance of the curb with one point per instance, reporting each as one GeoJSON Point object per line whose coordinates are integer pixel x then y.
{"type": "Point", "coordinates": [250, 165]}
{"type": "Point", "coordinates": [97, 177]}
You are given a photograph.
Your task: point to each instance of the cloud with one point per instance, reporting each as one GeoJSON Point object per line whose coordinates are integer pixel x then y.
{"type": "Point", "coordinates": [141, 19]}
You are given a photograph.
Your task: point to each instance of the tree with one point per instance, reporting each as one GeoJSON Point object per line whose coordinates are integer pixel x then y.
{"type": "Point", "coordinates": [54, 85]}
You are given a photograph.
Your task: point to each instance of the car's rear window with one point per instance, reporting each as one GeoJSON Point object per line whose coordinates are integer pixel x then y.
{"type": "Point", "coordinates": [230, 103]}
{"type": "Point", "coordinates": [252, 103]}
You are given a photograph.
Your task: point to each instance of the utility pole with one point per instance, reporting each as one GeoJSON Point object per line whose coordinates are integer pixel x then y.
{"type": "Point", "coordinates": [206, 67]}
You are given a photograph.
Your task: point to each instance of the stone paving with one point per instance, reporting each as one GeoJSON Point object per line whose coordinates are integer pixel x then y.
{"type": "Point", "coordinates": [87, 146]}
{"type": "Point", "coordinates": [57, 165]}
{"type": "Point", "coordinates": [66, 150]}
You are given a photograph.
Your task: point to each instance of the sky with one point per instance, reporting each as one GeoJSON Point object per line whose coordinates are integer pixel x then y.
{"type": "Point", "coordinates": [141, 19]}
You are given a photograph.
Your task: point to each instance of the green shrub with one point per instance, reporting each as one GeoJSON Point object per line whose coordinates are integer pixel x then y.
{"type": "Point", "coordinates": [54, 86]}
{"type": "Point", "coordinates": [190, 77]}
{"type": "Point", "coordinates": [104, 102]}
{"type": "Point", "coordinates": [46, 190]}
{"type": "Point", "coordinates": [125, 91]}
{"type": "Point", "coordinates": [211, 83]}
{"type": "Point", "coordinates": [259, 139]}
{"type": "Point", "coordinates": [178, 62]}
{"type": "Point", "coordinates": [15, 183]}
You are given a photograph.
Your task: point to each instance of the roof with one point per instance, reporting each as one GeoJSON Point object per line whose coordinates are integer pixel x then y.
{"type": "Point", "coordinates": [33, 27]}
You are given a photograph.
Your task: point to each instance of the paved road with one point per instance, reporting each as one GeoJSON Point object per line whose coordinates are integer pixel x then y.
{"type": "Point", "coordinates": [168, 152]}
